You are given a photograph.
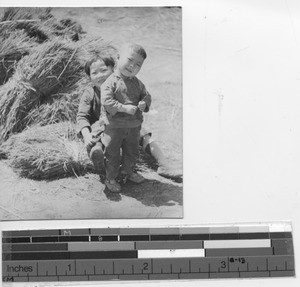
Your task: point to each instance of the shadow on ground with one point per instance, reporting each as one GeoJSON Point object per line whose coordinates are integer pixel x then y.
{"type": "Point", "coordinates": [154, 191]}
{"type": "Point", "coordinates": [150, 193]}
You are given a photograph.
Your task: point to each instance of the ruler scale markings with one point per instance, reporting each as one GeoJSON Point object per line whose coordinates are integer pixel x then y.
{"type": "Point", "coordinates": [233, 260]}
{"type": "Point", "coordinates": [152, 265]}
{"type": "Point", "coordinates": [210, 270]}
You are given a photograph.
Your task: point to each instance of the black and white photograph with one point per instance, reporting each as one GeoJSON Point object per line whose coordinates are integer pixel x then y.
{"type": "Point", "coordinates": [91, 112]}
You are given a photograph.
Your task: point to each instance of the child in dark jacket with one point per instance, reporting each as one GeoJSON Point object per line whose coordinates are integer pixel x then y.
{"type": "Point", "coordinates": [124, 99]}
{"type": "Point", "coordinates": [88, 123]}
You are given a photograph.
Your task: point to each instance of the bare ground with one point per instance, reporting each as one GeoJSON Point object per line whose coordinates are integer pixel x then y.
{"type": "Point", "coordinates": [85, 197]}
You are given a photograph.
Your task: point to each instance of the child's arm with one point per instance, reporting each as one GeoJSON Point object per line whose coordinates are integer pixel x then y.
{"type": "Point", "coordinates": [87, 137]}
{"type": "Point", "coordinates": [83, 116]}
{"type": "Point", "coordinates": [145, 102]}
{"type": "Point", "coordinates": [111, 105]}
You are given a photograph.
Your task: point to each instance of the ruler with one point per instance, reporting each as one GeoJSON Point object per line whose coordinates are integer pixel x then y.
{"type": "Point", "coordinates": [190, 252]}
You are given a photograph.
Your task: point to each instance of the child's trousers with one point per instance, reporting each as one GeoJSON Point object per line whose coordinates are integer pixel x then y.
{"type": "Point", "coordinates": [113, 140]}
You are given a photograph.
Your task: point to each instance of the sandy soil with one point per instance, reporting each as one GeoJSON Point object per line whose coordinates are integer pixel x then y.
{"type": "Point", "coordinates": [159, 31]}
{"type": "Point", "coordinates": [85, 197]}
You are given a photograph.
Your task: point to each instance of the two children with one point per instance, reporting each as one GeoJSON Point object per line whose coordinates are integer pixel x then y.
{"type": "Point", "coordinates": [124, 98]}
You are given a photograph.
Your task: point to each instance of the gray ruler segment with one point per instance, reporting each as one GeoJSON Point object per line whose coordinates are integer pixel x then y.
{"type": "Point", "coordinates": [147, 269]}
{"type": "Point", "coordinates": [147, 253]}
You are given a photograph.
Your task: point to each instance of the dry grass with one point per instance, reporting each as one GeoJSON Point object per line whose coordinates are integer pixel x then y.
{"type": "Point", "coordinates": [60, 107]}
{"type": "Point", "coordinates": [47, 84]}
{"type": "Point", "coordinates": [48, 68]}
{"type": "Point", "coordinates": [48, 152]}
{"type": "Point", "coordinates": [23, 28]}
{"type": "Point", "coordinates": [12, 49]}
{"type": "Point", "coordinates": [37, 23]}
{"type": "Point", "coordinates": [43, 83]}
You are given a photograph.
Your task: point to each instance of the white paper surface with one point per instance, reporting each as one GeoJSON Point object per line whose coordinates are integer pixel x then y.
{"type": "Point", "coordinates": [241, 87]}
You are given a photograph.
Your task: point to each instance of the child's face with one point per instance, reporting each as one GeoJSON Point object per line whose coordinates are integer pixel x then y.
{"type": "Point", "coordinates": [99, 72]}
{"type": "Point", "coordinates": [129, 63]}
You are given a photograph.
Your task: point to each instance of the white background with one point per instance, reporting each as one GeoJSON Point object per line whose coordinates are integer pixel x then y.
{"type": "Point", "coordinates": [241, 89]}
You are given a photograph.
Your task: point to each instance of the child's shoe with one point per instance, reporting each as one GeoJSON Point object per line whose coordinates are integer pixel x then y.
{"type": "Point", "coordinates": [170, 172]}
{"type": "Point", "coordinates": [135, 177]}
{"type": "Point", "coordinates": [112, 185]}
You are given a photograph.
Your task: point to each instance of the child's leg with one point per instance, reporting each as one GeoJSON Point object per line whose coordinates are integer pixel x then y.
{"type": "Point", "coordinates": [151, 147]}
{"type": "Point", "coordinates": [130, 150]}
{"type": "Point", "coordinates": [112, 140]}
{"type": "Point", "coordinates": [95, 153]}
{"type": "Point", "coordinates": [165, 168]}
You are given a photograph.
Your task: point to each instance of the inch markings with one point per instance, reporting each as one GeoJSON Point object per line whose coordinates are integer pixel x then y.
{"type": "Point", "coordinates": [147, 253]}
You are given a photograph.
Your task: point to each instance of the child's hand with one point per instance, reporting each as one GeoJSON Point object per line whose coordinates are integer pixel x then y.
{"type": "Point", "coordinates": [88, 140]}
{"type": "Point", "coordinates": [142, 105]}
{"type": "Point", "coordinates": [129, 109]}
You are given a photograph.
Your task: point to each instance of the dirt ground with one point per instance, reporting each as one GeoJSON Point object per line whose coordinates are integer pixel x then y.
{"type": "Point", "coordinates": [84, 197]}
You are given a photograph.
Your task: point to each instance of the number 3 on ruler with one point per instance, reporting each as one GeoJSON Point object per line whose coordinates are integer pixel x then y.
{"type": "Point", "coordinates": [223, 264]}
